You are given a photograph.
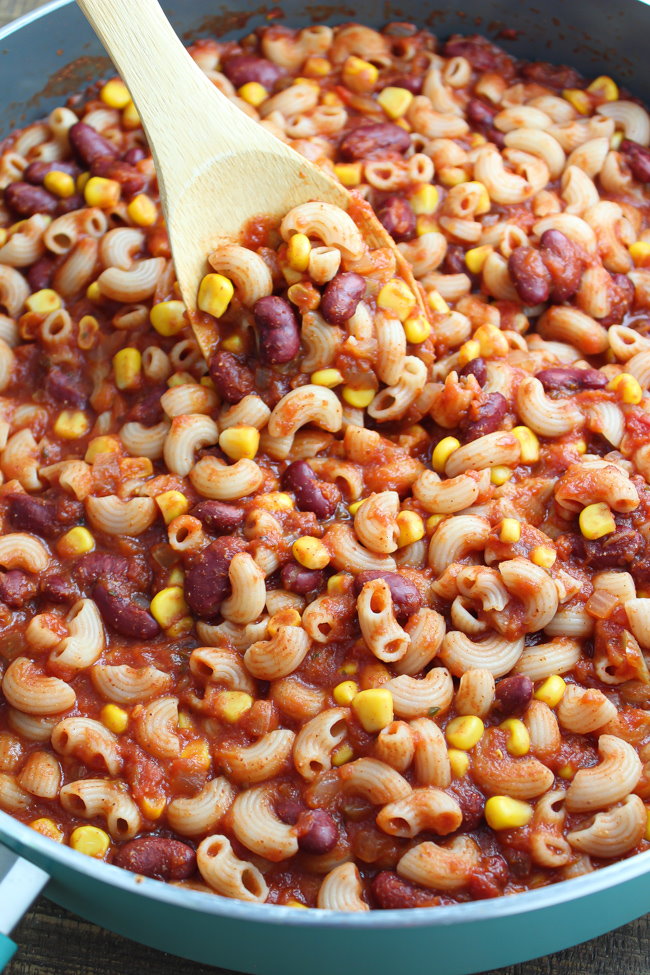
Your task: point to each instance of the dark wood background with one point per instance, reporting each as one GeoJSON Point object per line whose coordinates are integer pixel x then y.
{"type": "Point", "coordinates": [55, 942]}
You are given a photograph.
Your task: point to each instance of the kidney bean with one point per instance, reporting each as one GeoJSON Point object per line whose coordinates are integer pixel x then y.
{"type": "Point", "coordinates": [638, 159]}
{"type": "Point", "coordinates": [618, 550]}
{"type": "Point", "coordinates": [218, 517]}
{"type": "Point", "coordinates": [231, 376]}
{"type": "Point", "coordinates": [412, 83]}
{"type": "Point", "coordinates": [40, 273]}
{"type": "Point", "coordinates": [406, 596]}
{"type": "Point", "coordinates": [397, 217]}
{"type": "Point", "coordinates": [134, 155]}
{"type": "Point", "coordinates": [569, 379]}
{"type": "Point", "coordinates": [316, 831]}
{"type": "Point", "coordinates": [373, 140]}
{"type": "Point", "coordinates": [25, 199]}
{"type": "Point", "coordinates": [529, 275]}
{"type": "Point", "coordinates": [206, 581]}
{"type": "Point", "coordinates": [147, 408]}
{"type": "Point", "coordinates": [470, 800]}
{"type": "Point", "coordinates": [481, 54]}
{"type": "Point", "coordinates": [477, 368]}
{"type": "Point", "coordinates": [59, 589]}
{"type": "Point", "coordinates": [130, 179]}
{"type": "Point", "coordinates": [454, 262]}
{"type": "Point", "coordinates": [302, 581]}
{"type": "Point", "coordinates": [242, 68]}
{"type": "Point", "coordinates": [88, 145]}
{"type": "Point", "coordinates": [66, 388]}
{"type": "Point", "coordinates": [17, 588]}
{"type": "Point", "coordinates": [563, 262]}
{"type": "Point", "coordinates": [514, 693]}
{"type": "Point", "coordinates": [37, 171]}
{"type": "Point", "coordinates": [392, 892]}
{"type": "Point", "coordinates": [341, 297]}
{"type": "Point", "coordinates": [484, 418]}
{"type": "Point", "coordinates": [157, 857]}
{"type": "Point", "coordinates": [74, 202]}
{"type": "Point", "coordinates": [288, 809]}
{"type": "Point", "coordinates": [552, 75]}
{"type": "Point", "coordinates": [123, 614]}
{"type": "Point", "coordinates": [311, 494]}
{"type": "Point", "coordinates": [99, 565]}
{"type": "Point", "coordinates": [480, 116]}
{"type": "Point", "coordinates": [621, 293]}
{"type": "Point", "coordinates": [30, 514]}
{"type": "Point", "coordinates": [278, 329]}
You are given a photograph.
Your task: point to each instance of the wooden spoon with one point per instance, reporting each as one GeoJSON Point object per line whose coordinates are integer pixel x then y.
{"type": "Point", "coordinates": [216, 167]}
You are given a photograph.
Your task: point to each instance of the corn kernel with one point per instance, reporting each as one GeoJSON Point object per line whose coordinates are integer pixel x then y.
{"type": "Point", "coordinates": [358, 75]}
{"type": "Point", "coordinates": [504, 812]}
{"type": "Point", "coordinates": [253, 92]}
{"type": "Point", "coordinates": [605, 87]}
{"type": "Point", "coordinates": [468, 351]}
{"type": "Point", "coordinates": [417, 329]}
{"type": "Point", "coordinates": [566, 772]}
{"type": "Point", "coordinates": [640, 252]}
{"type": "Point", "coordinates": [93, 292]}
{"type": "Point", "coordinates": [310, 552]}
{"type": "Point", "coordinates": [350, 667]}
{"type": "Point", "coordinates": [168, 317]}
{"type": "Point", "coordinates": [341, 755]}
{"type": "Point", "coordinates": [127, 366]}
{"type": "Point", "coordinates": [543, 555]}
{"type": "Point", "coordinates": [284, 617]}
{"type": "Point", "coordinates": [168, 605]}
{"type": "Point", "coordinates": [115, 94]}
{"type": "Point", "coordinates": [181, 379]}
{"type": "Point", "coordinates": [233, 343]}
{"type": "Point", "coordinates": [358, 396]}
{"type": "Point", "coordinates": [47, 827]}
{"type": "Point", "coordinates": [3, 236]}
{"type": "Point", "coordinates": [426, 223]}
{"type": "Point", "coordinates": [198, 752]}
{"type": "Point", "coordinates": [580, 446]}
{"type": "Point", "coordinates": [114, 718]}
{"type": "Point", "coordinates": [274, 501]}
{"type": "Point", "coordinates": [142, 210]}
{"type": "Point", "coordinates": [510, 531]}
{"type": "Point", "coordinates": [483, 197]}
{"type": "Point", "coordinates": [551, 691]}
{"type": "Point", "coordinates": [71, 424]}
{"type": "Point", "coordinates": [101, 445]}
{"type": "Point", "coordinates": [130, 117]}
{"type": "Point", "coordinates": [338, 584]}
{"type": "Point", "coordinates": [437, 302]}
{"type": "Point", "coordinates": [176, 577]}
{"type": "Point", "coordinates": [315, 67]}
{"type": "Point", "coordinates": [424, 200]}
{"type": "Point", "coordinates": [646, 835]}
{"type": "Point", "coordinates": [298, 251]}
{"type": "Point", "coordinates": [184, 721]}
{"type": "Point", "coordinates": [349, 173]}
{"type": "Point", "coordinates": [627, 387]}
{"type": "Point", "coordinates": [459, 762]}
{"type": "Point", "coordinates": [433, 522]}
{"type": "Point", "coordinates": [442, 452]}
{"type": "Point", "coordinates": [411, 528]}
{"type": "Point", "coordinates": [373, 708]}
{"type": "Point", "coordinates": [91, 840]}
{"type": "Point", "coordinates": [61, 184]}
{"type": "Point", "coordinates": [172, 505]}
{"type": "Point", "coordinates": [240, 441]}
{"type": "Point", "coordinates": [518, 738]}
{"type": "Point", "coordinates": [292, 902]}
{"type": "Point", "coordinates": [452, 176]}
{"type": "Point", "coordinates": [395, 101]}
{"type": "Point", "coordinates": [101, 192]}
{"type": "Point", "coordinates": [476, 257]}
{"type": "Point", "coordinates": [345, 692]}
{"type": "Point", "coordinates": [215, 294]}
{"type": "Point", "coordinates": [233, 705]}
{"type": "Point", "coordinates": [500, 474]}
{"type": "Point", "coordinates": [327, 377]}
{"type": "Point", "coordinates": [491, 340]}
{"type": "Point", "coordinates": [528, 443]}
{"type": "Point", "coordinates": [355, 505]}
{"type": "Point", "coordinates": [596, 520]}
{"type": "Point", "coordinates": [616, 139]}
{"type": "Point", "coordinates": [43, 302]}
{"type": "Point", "coordinates": [579, 99]}
{"type": "Point", "coordinates": [476, 140]}
{"type": "Point", "coordinates": [81, 181]}
{"type": "Point", "coordinates": [397, 298]}
{"type": "Point", "coordinates": [152, 807]}
{"type": "Point", "coordinates": [75, 542]}
{"type": "Point", "coordinates": [464, 731]}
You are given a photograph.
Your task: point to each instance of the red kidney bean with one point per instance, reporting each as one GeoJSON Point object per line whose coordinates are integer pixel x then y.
{"type": "Point", "coordinates": [621, 294]}
{"type": "Point", "coordinates": [302, 581]}
{"type": "Point", "coordinates": [66, 388]}
{"type": "Point", "coordinates": [470, 800]}
{"type": "Point", "coordinates": [316, 831]}
{"type": "Point", "coordinates": [99, 565]}
{"type": "Point", "coordinates": [231, 376]}
{"type": "Point", "coordinates": [373, 140]}
{"type": "Point", "coordinates": [288, 809]}
{"type": "Point", "coordinates": [412, 83]}
{"type": "Point", "coordinates": [529, 275]}
{"type": "Point", "coordinates": [123, 615]}
{"type": "Point", "coordinates": [454, 262]}
{"type": "Point", "coordinates": [618, 550]}
{"type": "Point", "coordinates": [30, 514]}
{"type": "Point", "coordinates": [40, 273]}
{"type": "Point", "coordinates": [480, 116]}
{"type": "Point", "coordinates": [206, 581]}
{"type": "Point", "coordinates": [157, 857]}
{"type": "Point", "coordinates": [514, 693]}
{"type": "Point", "coordinates": [477, 368]}
{"type": "Point", "coordinates": [406, 596]}
{"type": "Point", "coordinates": [278, 329]}
{"type": "Point", "coordinates": [218, 517]}
{"type": "Point", "coordinates": [552, 75]}
{"type": "Point", "coordinates": [242, 68]}
{"type": "Point", "coordinates": [485, 417]}
{"type": "Point", "coordinates": [37, 171]}
{"type": "Point", "coordinates": [563, 262]}
{"type": "Point", "coordinates": [481, 54]}
{"type": "Point", "coordinates": [88, 145]}
{"type": "Point", "coordinates": [25, 199]}
{"type": "Point", "coordinates": [74, 202]}
{"type": "Point", "coordinates": [311, 494]}
{"type": "Point", "coordinates": [134, 155]}
{"type": "Point", "coordinates": [59, 589]}
{"type": "Point", "coordinates": [130, 179]}
{"type": "Point", "coordinates": [638, 159]}
{"type": "Point", "coordinates": [392, 892]}
{"type": "Point", "coordinates": [341, 297]}
{"type": "Point", "coordinates": [397, 217]}
{"type": "Point", "coordinates": [147, 408]}
{"type": "Point", "coordinates": [569, 379]}
{"type": "Point", "coordinates": [17, 588]}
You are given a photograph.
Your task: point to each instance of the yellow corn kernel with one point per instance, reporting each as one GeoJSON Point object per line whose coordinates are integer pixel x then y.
{"type": "Point", "coordinates": [93, 292]}
{"type": "Point", "coordinates": [395, 101]}
{"type": "Point", "coordinates": [345, 692]}
{"type": "Point", "coordinates": [551, 691]}
{"type": "Point", "coordinates": [168, 605]}
{"type": "Point", "coordinates": [168, 317]}
{"type": "Point", "coordinates": [358, 396]}
{"type": "Point", "coordinates": [616, 139]}
{"type": "Point", "coordinates": [566, 772]}
{"type": "Point", "coordinates": [627, 387]}
{"type": "Point", "coordinates": [359, 75]}
{"type": "Point", "coordinates": [71, 424]}
{"type": "Point", "coordinates": [640, 252]}
{"type": "Point", "coordinates": [75, 542]}
{"type": "Point", "coordinates": [284, 617]}
{"type": "Point", "coordinates": [101, 445]}
{"type": "Point", "coordinates": [61, 184]}
{"type": "Point", "coordinates": [307, 81]}
{"type": "Point", "coordinates": [298, 251]}
{"type": "Point", "coordinates": [596, 520]}
{"type": "Point", "coordinates": [180, 628]}
{"type": "Point", "coordinates": [500, 474]}
{"type": "Point", "coordinates": [605, 87]}
{"type": "Point", "coordinates": [355, 505]}
{"type": "Point", "coordinates": [437, 302]}
{"type": "Point", "coordinates": [341, 755]}
{"type": "Point", "coordinates": [464, 731]}
{"type": "Point", "coordinates": [580, 446]}
{"type": "Point", "coordinates": [176, 577]}
{"type": "Point", "coordinates": [425, 224]}
{"type": "Point", "coordinates": [233, 343]}
{"type": "Point", "coordinates": [240, 441]}
{"type": "Point", "coordinates": [43, 302]}
{"type": "Point", "coordinates": [3, 236]}
{"type": "Point", "coordinates": [442, 452]}
{"type": "Point", "coordinates": [518, 738]}
{"type": "Point", "coordinates": [114, 718]}
{"type": "Point", "coordinates": [476, 257]}
{"type": "Point", "coordinates": [350, 667]}
{"type": "Point", "coordinates": [510, 531]}
{"type": "Point", "coordinates": [81, 181]}
{"type": "Point", "coordinates": [136, 467]}
{"type": "Point", "coordinates": [254, 93]}
{"type": "Point", "coordinates": [433, 522]}
{"type": "Point", "coordinates": [484, 197]}
{"type": "Point", "coordinates": [198, 751]}
{"type": "Point", "coordinates": [476, 140]}
{"type": "Point", "coordinates": [172, 505]}
{"type": "Point", "coordinates": [528, 443]}
{"type": "Point", "coordinates": [152, 807]}
{"type": "Point", "coordinates": [373, 708]}
{"type": "Point", "coordinates": [142, 210]}
{"type": "Point", "coordinates": [274, 501]}
{"type": "Point", "coordinates": [292, 902]}
{"type": "Point", "coordinates": [646, 835]}
{"type": "Point", "coordinates": [579, 99]}
{"type": "Point", "coordinates": [417, 329]}
{"type": "Point", "coordinates": [349, 173]}
{"type": "Point", "coordinates": [233, 705]}
{"type": "Point", "coordinates": [452, 176]}
{"type": "Point", "coordinates": [310, 552]}
{"type": "Point", "coordinates": [411, 528]}
{"type": "Point", "coordinates": [91, 840]}
{"type": "Point", "coordinates": [424, 200]}
{"type": "Point", "coordinates": [102, 192]}
{"type": "Point", "coordinates": [181, 379]}
{"type": "Point", "coordinates": [315, 67]}
{"type": "Point", "coordinates": [459, 762]}
{"type": "Point", "coordinates": [215, 294]}
{"type": "Point", "coordinates": [130, 117]}
{"type": "Point", "coordinates": [543, 555]}
{"type": "Point", "coordinates": [47, 827]}
{"type": "Point", "coordinates": [127, 366]}
{"type": "Point", "coordinates": [331, 98]}
{"type": "Point", "coordinates": [504, 812]}
{"type": "Point", "coordinates": [491, 340]}
{"type": "Point", "coordinates": [115, 94]}
{"type": "Point", "coordinates": [338, 584]}
{"type": "Point", "coordinates": [397, 298]}
{"type": "Point", "coordinates": [469, 350]}
{"type": "Point", "coordinates": [327, 377]}
{"type": "Point", "coordinates": [185, 720]}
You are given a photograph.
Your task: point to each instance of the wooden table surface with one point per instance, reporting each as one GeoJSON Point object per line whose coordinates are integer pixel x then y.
{"type": "Point", "coordinates": [54, 942]}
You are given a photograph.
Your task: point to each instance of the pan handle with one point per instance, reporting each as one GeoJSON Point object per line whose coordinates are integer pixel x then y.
{"type": "Point", "coordinates": [20, 883]}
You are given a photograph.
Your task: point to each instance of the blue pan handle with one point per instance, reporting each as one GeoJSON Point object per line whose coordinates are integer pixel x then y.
{"type": "Point", "coordinates": [20, 883]}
